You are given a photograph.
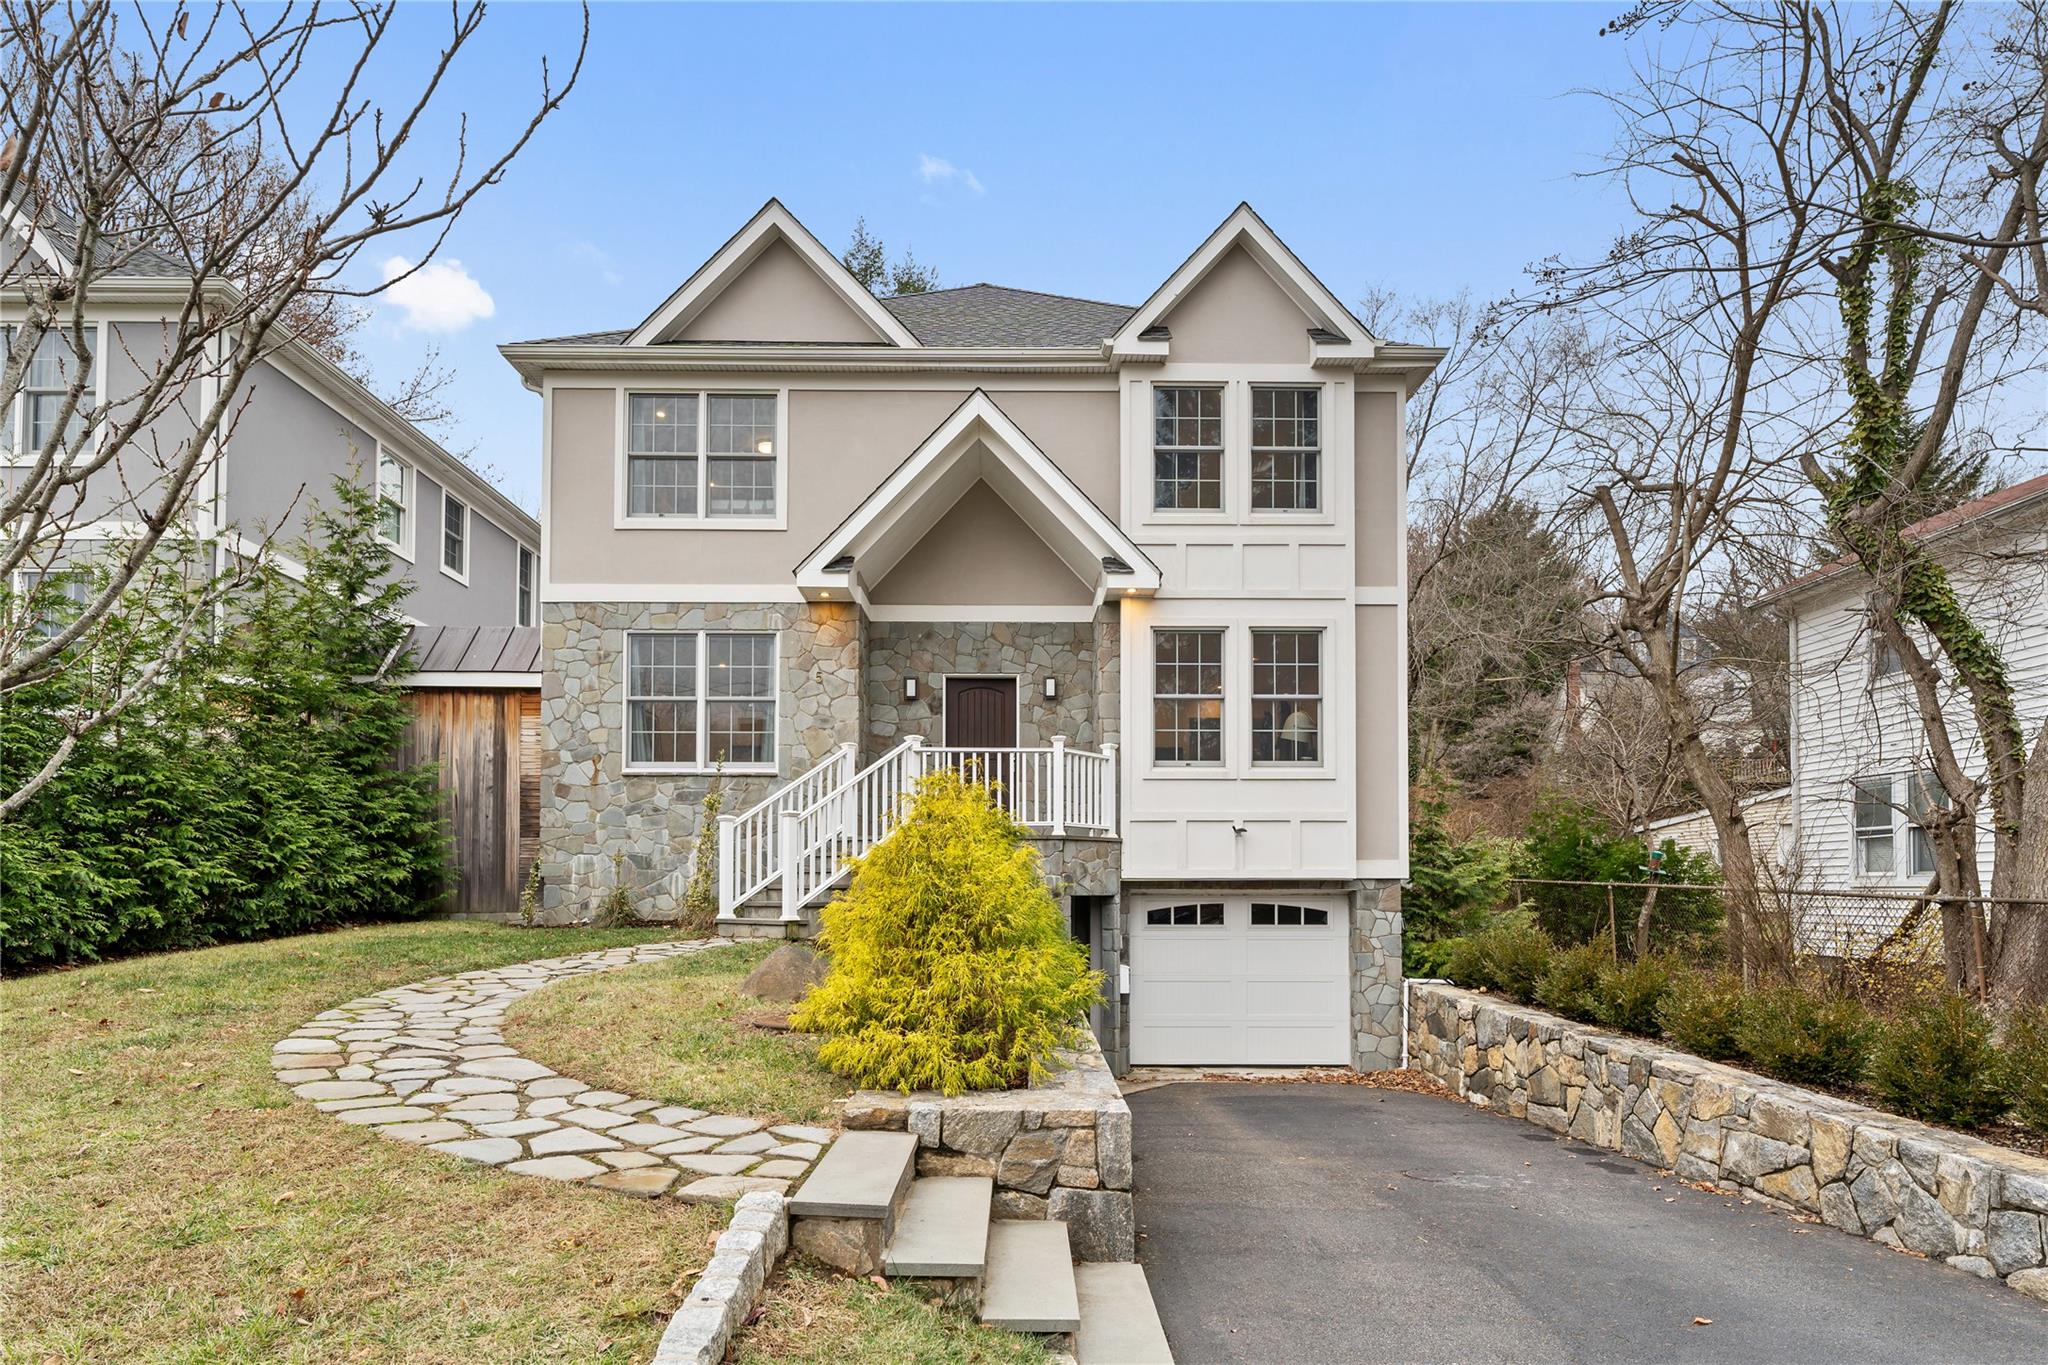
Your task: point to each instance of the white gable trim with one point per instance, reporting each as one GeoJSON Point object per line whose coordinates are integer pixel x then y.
{"type": "Point", "coordinates": [772, 224]}
{"type": "Point", "coordinates": [978, 424]}
{"type": "Point", "coordinates": [1244, 228]}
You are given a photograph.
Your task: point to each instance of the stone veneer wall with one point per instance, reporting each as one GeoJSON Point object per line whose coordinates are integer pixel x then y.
{"type": "Point", "coordinates": [1376, 976]}
{"type": "Point", "coordinates": [592, 810]}
{"type": "Point", "coordinates": [1061, 1149]}
{"type": "Point", "coordinates": [1938, 1193]}
{"type": "Point", "coordinates": [1081, 655]}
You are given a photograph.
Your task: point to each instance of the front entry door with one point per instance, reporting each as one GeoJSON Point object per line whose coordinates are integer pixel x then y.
{"type": "Point", "coordinates": [981, 713]}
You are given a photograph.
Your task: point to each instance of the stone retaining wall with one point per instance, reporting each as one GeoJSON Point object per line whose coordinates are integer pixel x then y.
{"type": "Point", "coordinates": [1058, 1150]}
{"type": "Point", "coordinates": [1938, 1193]}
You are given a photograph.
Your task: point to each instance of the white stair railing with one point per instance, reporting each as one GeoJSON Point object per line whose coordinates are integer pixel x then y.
{"type": "Point", "coordinates": [1053, 789]}
{"type": "Point", "coordinates": [749, 843]}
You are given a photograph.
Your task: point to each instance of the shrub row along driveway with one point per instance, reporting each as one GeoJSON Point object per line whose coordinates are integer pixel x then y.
{"type": "Point", "coordinates": [1311, 1223]}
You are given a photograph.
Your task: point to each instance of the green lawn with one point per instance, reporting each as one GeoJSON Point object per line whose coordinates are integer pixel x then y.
{"type": "Point", "coordinates": [675, 1031]}
{"type": "Point", "coordinates": [816, 1317]}
{"type": "Point", "coordinates": [164, 1199]}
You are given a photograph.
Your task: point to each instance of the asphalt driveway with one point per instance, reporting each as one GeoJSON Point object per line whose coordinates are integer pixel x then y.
{"type": "Point", "coordinates": [1285, 1224]}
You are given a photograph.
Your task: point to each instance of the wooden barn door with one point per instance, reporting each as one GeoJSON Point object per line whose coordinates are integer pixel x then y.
{"type": "Point", "coordinates": [487, 745]}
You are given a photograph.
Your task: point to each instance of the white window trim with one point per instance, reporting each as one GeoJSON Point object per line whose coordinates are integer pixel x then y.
{"type": "Point", "coordinates": [1194, 768]}
{"type": "Point", "coordinates": [1256, 767]}
{"type": "Point", "coordinates": [703, 657]}
{"type": "Point", "coordinates": [702, 521]}
{"type": "Point", "coordinates": [525, 585]}
{"type": "Point", "coordinates": [1291, 516]}
{"type": "Point", "coordinates": [1237, 766]}
{"type": "Point", "coordinates": [1226, 492]}
{"type": "Point", "coordinates": [1237, 383]}
{"type": "Point", "coordinates": [409, 496]}
{"type": "Point", "coordinates": [17, 416]}
{"type": "Point", "coordinates": [441, 539]}
{"type": "Point", "coordinates": [1902, 828]}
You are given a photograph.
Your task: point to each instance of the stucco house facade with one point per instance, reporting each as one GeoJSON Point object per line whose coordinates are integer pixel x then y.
{"type": "Point", "coordinates": [1142, 565]}
{"type": "Point", "coordinates": [1861, 771]}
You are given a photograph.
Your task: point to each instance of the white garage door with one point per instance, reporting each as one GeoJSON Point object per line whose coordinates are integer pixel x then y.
{"type": "Point", "coordinates": [1240, 980]}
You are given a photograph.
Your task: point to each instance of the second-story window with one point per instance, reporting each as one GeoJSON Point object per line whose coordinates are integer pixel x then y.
{"type": "Point", "coordinates": [708, 454]}
{"type": "Point", "coordinates": [1287, 450]}
{"type": "Point", "coordinates": [1287, 696]}
{"type": "Point", "coordinates": [454, 537]}
{"type": "Point", "coordinates": [394, 499]}
{"type": "Point", "coordinates": [526, 567]}
{"type": "Point", "coordinates": [1187, 696]}
{"type": "Point", "coordinates": [51, 371]}
{"type": "Point", "coordinates": [1187, 449]}
{"type": "Point", "coordinates": [661, 455]}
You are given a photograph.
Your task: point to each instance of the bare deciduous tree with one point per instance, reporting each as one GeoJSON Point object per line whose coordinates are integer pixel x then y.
{"type": "Point", "coordinates": [204, 145]}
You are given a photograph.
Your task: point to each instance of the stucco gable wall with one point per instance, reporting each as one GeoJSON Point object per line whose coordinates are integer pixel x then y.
{"type": "Point", "coordinates": [778, 297]}
{"type": "Point", "coordinates": [981, 554]}
{"type": "Point", "coordinates": [1237, 315]}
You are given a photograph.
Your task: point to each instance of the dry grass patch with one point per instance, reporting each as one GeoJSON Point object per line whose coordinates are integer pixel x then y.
{"type": "Point", "coordinates": [815, 1317]}
{"type": "Point", "coordinates": [165, 1199]}
{"type": "Point", "coordinates": [678, 1031]}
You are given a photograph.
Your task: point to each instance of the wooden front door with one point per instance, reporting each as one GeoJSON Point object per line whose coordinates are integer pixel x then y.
{"type": "Point", "coordinates": [981, 713]}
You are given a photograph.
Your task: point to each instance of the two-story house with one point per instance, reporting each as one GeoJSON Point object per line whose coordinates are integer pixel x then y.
{"type": "Point", "coordinates": [1861, 775]}
{"type": "Point", "coordinates": [470, 553]}
{"type": "Point", "coordinates": [1141, 566]}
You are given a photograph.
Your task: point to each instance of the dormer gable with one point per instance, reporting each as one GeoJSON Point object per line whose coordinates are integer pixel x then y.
{"type": "Point", "coordinates": [1242, 289]}
{"type": "Point", "coordinates": [773, 281]}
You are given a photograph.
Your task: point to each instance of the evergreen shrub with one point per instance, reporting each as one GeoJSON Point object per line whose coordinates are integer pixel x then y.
{"type": "Point", "coordinates": [1509, 955]}
{"type": "Point", "coordinates": [1937, 1061]}
{"type": "Point", "coordinates": [1629, 993]}
{"type": "Point", "coordinates": [2026, 1066]}
{"type": "Point", "coordinates": [1569, 985]}
{"type": "Point", "coordinates": [1701, 1013]}
{"type": "Point", "coordinates": [951, 966]}
{"type": "Point", "coordinates": [1803, 1035]}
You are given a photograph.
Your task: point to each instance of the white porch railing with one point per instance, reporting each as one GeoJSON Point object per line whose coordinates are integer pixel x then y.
{"type": "Point", "coordinates": [750, 843]}
{"type": "Point", "coordinates": [1053, 789]}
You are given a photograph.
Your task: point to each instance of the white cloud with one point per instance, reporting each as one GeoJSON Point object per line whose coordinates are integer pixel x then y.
{"type": "Point", "coordinates": [937, 168]}
{"type": "Point", "coordinates": [438, 297]}
{"type": "Point", "coordinates": [593, 255]}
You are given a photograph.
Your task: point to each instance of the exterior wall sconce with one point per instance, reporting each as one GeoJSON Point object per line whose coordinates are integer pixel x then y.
{"type": "Point", "coordinates": [1052, 689]}
{"type": "Point", "coordinates": [909, 687]}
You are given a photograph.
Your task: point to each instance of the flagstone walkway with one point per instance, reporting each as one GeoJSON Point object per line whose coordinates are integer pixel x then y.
{"type": "Point", "coordinates": [427, 1064]}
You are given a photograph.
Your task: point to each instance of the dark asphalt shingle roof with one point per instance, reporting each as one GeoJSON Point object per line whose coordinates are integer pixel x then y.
{"type": "Point", "coordinates": [972, 315]}
{"type": "Point", "coordinates": [991, 315]}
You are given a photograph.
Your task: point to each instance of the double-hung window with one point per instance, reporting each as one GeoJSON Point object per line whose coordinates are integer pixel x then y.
{"type": "Point", "coordinates": [1888, 818]}
{"type": "Point", "coordinates": [45, 385]}
{"type": "Point", "coordinates": [699, 698]}
{"type": "Point", "coordinates": [1187, 449]}
{"type": "Point", "coordinates": [1287, 696]}
{"type": "Point", "coordinates": [454, 537]}
{"type": "Point", "coordinates": [525, 604]}
{"type": "Point", "coordinates": [394, 500]}
{"type": "Point", "coordinates": [1187, 696]}
{"type": "Point", "coordinates": [708, 454]}
{"type": "Point", "coordinates": [55, 596]}
{"type": "Point", "coordinates": [1287, 450]}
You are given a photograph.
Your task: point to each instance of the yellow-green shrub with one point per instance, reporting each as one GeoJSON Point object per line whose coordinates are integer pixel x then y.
{"type": "Point", "coordinates": [951, 967]}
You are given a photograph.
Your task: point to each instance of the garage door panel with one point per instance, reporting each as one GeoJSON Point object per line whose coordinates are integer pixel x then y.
{"type": "Point", "coordinates": [1239, 993]}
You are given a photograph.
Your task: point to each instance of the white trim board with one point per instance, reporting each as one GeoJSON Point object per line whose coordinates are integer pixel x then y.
{"type": "Point", "coordinates": [457, 678]}
{"type": "Point", "coordinates": [772, 224]}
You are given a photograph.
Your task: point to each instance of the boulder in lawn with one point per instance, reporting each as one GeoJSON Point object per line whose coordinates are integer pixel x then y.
{"type": "Point", "coordinates": [785, 975]}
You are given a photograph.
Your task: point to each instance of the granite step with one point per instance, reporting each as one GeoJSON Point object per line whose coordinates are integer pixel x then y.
{"type": "Point", "coordinates": [943, 1229]}
{"type": "Point", "coordinates": [1119, 1323]}
{"type": "Point", "coordinates": [1029, 1284]}
{"type": "Point", "coordinates": [862, 1175]}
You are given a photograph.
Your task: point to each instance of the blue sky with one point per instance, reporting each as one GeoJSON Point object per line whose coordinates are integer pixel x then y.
{"type": "Point", "coordinates": [1428, 148]}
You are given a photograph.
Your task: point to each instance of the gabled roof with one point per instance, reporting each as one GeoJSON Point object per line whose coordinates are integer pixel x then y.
{"type": "Point", "coordinates": [2005, 502]}
{"type": "Point", "coordinates": [772, 224]}
{"type": "Point", "coordinates": [1335, 335]}
{"type": "Point", "coordinates": [977, 443]}
{"type": "Point", "coordinates": [992, 315]}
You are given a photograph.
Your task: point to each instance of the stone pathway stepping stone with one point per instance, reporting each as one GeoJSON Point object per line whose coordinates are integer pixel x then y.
{"type": "Point", "coordinates": [427, 1064]}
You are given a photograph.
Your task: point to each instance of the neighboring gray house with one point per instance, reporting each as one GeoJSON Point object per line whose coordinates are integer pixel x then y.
{"type": "Point", "coordinates": [471, 554]}
{"type": "Point", "coordinates": [1142, 565]}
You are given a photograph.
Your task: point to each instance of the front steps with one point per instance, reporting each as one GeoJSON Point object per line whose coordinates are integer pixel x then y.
{"type": "Point", "coordinates": [864, 1212]}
